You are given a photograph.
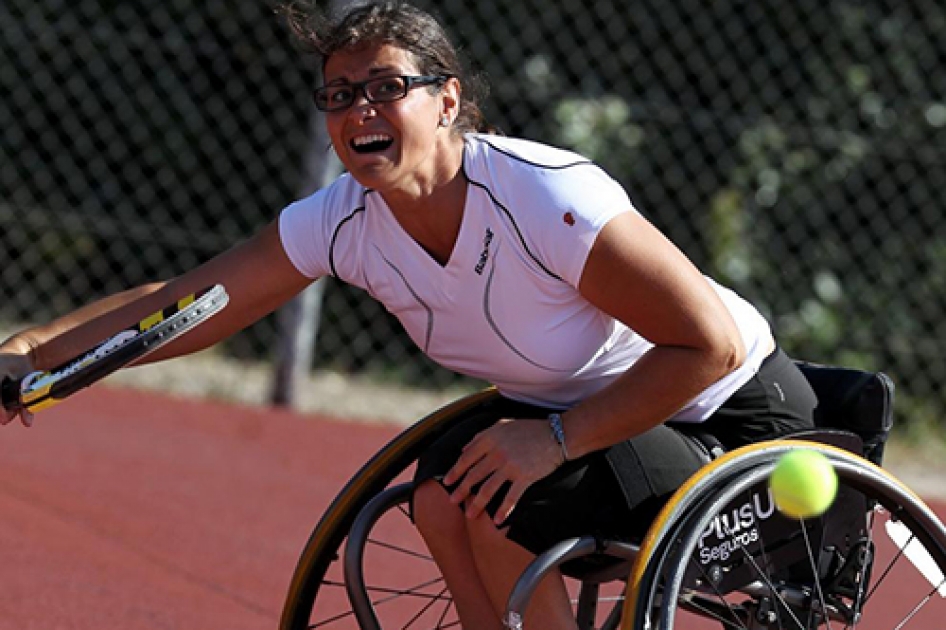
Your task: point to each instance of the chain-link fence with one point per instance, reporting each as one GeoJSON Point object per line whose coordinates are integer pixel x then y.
{"type": "Point", "coordinates": [795, 150]}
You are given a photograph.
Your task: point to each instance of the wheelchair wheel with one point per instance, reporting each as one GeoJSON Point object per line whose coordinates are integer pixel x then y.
{"type": "Point", "coordinates": [393, 583]}
{"type": "Point", "coordinates": [720, 555]}
{"type": "Point", "coordinates": [317, 595]}
{"type": "Point", "coordinates": [391, 580]}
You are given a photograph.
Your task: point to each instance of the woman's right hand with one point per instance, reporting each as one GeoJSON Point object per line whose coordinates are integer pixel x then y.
{"type": "Point", "coordinates": [14, 366]}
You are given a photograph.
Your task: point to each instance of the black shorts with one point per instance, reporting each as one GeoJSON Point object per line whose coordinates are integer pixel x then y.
{"type": "Point", "coordinates": [615, 493]}
{"type": "Point", "coordinates": [776, 401]}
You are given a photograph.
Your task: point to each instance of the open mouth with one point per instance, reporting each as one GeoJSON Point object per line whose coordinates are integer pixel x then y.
{"type": "Point", "coordinates": [371, 143]}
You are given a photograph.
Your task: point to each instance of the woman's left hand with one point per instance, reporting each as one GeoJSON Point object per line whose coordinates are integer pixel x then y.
{"type": "Point", "coordinates": [516, 451]}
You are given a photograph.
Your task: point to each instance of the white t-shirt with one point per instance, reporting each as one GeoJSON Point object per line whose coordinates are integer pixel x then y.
{"type": "Point", "coordinates": [505, 308]}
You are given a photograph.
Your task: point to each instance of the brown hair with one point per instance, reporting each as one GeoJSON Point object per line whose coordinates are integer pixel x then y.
{"type": "Point", "coordinates": [398, 24]}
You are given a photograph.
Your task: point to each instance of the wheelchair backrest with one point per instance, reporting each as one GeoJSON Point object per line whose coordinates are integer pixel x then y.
{"type": "Point", "coordinates": [853, 400]}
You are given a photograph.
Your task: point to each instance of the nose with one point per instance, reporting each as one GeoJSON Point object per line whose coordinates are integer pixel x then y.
{"type": "Point", "coordinates": [360, 96]}
{"type": "Point", "coordinates": [361, 107]}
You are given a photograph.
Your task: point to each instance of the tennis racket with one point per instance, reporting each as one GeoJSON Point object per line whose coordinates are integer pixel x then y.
{"type": "Point", "coordinates": [39, 390]}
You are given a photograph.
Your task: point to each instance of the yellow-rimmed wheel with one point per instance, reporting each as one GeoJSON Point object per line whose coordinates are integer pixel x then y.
{"type": "Point", "coordinates": [720, 554]}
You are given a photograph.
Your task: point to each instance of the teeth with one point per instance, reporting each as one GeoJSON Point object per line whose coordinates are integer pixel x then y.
{"type": "Point", "coordinates": [376, 137]}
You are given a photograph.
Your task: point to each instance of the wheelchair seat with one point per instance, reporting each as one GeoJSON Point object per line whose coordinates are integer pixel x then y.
{"type": "Point", "coordinates": [853, 400]}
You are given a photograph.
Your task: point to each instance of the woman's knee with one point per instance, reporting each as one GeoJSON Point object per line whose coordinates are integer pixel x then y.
{"type": "Point", "coordinates": [433, 511]}
{"type": "Point", "coordinates": [438, 518]}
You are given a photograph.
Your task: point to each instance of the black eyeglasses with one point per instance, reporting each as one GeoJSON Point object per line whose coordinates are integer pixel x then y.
{"type": "Point", "coordinates": [332, 98]}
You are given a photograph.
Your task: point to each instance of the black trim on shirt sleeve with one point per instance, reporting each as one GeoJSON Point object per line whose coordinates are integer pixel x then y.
{"type": "Point", "coordinates": [338, 228]}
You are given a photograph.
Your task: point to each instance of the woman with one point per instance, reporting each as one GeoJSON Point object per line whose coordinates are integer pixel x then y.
{"type": "Point", "coordinates": [510, 261]}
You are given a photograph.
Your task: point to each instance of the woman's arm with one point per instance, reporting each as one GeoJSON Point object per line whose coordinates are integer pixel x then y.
{"type": "Point", "coordinates": [636, 275]}
{"type": "Point", "coordinates": [257, 275]}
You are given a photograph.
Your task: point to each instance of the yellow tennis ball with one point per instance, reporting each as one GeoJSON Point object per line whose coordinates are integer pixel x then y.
{"type": "Point", "coordinates": [803, 484]}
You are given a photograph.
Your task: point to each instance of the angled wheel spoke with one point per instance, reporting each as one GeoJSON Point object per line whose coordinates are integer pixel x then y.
{"type": "Point", "coordinates": [321, 623]}
{"type": "Point", "coordinates": [329, 620]}
{"type": "Point", "coordinates": [883, 576]}
{"type": "Point", "coordinates": [693, 605]}
{"type": "Point", "coordinates": [443, 615]}
{"type": "Point", "coordinates": [413, 591]}
{"type": "Point", "coordinates": [425, 608]}
{"type": "Point", "coordinates": [399, 549]}
{"type": "Point", "coordinates": [916, 609]}
{"type": "Point", "coordinates": [720, 600]}
{"type": "Point", "coordinates": [815, 575]}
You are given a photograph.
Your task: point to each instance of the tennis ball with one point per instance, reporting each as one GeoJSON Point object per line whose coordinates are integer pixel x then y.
{"type": "Point", "coordinates": [803, 484]}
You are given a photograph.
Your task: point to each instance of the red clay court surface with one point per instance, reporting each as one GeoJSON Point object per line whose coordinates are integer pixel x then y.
{"type": "Point", "coordinates": [122, 509]}
{"type": "Point", "coordinates": [131, 510]}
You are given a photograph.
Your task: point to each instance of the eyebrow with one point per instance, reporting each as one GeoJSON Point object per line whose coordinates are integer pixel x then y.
{"type": "Point", "coordinates": [372, 72]}
{"type": "Point", "coordinates": [383, 69]}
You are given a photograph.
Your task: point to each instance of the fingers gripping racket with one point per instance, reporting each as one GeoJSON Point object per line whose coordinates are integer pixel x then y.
{"type": "Point", "coordinates": [39, 390]}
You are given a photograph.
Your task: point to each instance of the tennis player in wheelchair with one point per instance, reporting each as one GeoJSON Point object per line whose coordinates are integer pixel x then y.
{"type": "Point", "coordinates": [529, 267]}
{"type": "Point", "coordinates": [510, 261]}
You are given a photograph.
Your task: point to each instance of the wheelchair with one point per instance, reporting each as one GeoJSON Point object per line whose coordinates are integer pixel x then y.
{"type": "Point", "coordinates": [719, 555]}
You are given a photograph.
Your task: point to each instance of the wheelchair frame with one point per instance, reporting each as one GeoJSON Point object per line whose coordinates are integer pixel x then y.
{"type": "Point", "coordinates": [652, 570]}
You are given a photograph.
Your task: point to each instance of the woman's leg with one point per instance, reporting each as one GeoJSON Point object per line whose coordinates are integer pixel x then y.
{"type": "Point", "coordinates": [500, 562]}
{"type": "Point", "coordinates": [480, 565]}
{"type": "Point", "coordinates": [444, 529]}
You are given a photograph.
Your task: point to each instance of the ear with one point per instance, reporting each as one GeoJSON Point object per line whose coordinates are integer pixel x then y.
{"type": "Point", "coordinates": [450, 99]}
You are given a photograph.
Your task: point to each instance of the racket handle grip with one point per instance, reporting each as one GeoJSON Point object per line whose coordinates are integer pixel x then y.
{"type": "Point", "coordinates": [10, 394]}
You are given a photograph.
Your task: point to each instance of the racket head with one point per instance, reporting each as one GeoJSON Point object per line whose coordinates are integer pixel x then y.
{"type": "Point", "coordinates": [42, 389]}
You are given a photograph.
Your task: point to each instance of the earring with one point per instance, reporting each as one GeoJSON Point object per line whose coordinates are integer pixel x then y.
{"type": "Point", "coordinates": [444, 121]}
